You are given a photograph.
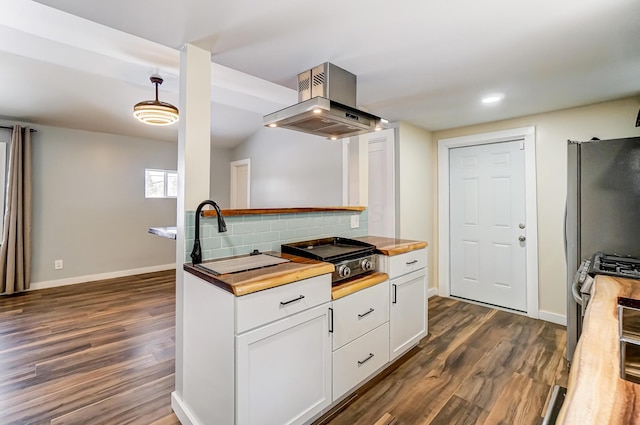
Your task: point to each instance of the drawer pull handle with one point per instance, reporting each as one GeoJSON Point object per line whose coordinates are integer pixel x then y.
{"type": "Point", "coordinates": [361, 362]}
{"type": "Point", "coordinates": [292, 301]}
{"type": "Point", "coordinates": [411, 262]}
{"type": "Point", "coordinates": [360, 316]}
{"type": "Point", "coordinates": [394, 298]}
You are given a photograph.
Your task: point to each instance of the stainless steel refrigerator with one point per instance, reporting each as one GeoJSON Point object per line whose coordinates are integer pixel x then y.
{"type": "Point", "coordinates": [602, 210]}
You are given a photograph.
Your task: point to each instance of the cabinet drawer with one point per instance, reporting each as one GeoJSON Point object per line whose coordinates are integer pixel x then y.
{"type": "Point", "coordinates": [358, 313]}
{"type": "Point", "coordinates": [266, 306]}
{"type": "Point", "coordinates": [356, 361]}
{"type": "Point", "coordinates": [406, 263]}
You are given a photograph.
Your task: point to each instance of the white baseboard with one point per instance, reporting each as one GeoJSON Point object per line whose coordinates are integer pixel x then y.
{"type": "Point", "coordinates": [101, 276]}
{"type": "Point", "coordinates": [432, 292]}
{"type": "Point", "coordinates": [556, 318]}
{"type": "Point", "coordinates": [181, 411]}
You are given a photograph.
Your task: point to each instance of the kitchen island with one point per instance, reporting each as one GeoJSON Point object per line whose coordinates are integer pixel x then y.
{"type": "Point", "coordinates": [596, 394]}
{"type": "Point", "coordinates": [281, 344]}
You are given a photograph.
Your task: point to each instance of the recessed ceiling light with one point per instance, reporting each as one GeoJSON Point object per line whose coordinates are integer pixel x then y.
{"type": "Point", "coordinates": [493, 98]}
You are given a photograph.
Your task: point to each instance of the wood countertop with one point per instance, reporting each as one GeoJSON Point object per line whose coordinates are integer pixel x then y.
{"type": "Point", "coordinates": [392, 246]}
{"type": "Point", "coordinates": [596, 394]}
{"type": "Point", "coordinates": [247, 282]}
{"type": "Point", "coordinates": [260, 211]}
{"type": "Point", "coordinates": [357, 284]}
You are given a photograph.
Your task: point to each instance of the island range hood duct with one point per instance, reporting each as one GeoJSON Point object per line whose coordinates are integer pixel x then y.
{"type": "Point", "coordinates": [327, 98]}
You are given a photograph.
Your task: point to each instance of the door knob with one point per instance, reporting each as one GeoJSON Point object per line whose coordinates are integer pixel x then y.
{"type": "Point", "coordinates": [522, 238]}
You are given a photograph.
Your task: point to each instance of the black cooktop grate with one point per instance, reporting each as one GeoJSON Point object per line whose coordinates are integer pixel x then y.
{"type": "Point", "coordinates": [616, 265]}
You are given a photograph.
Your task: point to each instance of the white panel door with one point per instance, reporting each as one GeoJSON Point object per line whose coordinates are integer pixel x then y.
{"type": "Point", "coordinates": [381, 206]}
{"type": "Point", "coordinates": [487, 220]}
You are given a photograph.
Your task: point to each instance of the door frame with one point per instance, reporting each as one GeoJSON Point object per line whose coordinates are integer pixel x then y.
{"type": "Point", "coordinates": [528, 136]}
{"type": "Point", "coordinates": [234, 165]}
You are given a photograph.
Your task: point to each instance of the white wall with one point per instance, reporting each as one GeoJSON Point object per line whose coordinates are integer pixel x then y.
{"type": "Point", "coordinates": [89, 204]}
{"type": "Point", "coordinates": [220, 186]}
{"type": "Point", "coordinates": [604, 120]}
{"type": "Point", "coordinates": [415, 188]}
{"type": "Point", "coordinates": [292, 169]}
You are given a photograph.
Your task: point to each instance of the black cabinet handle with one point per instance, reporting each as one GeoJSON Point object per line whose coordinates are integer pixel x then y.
{"type": "Point", "coordinates": [330, 320]}
{"type": "Point", "coordinates": [361, 362]}
{"type": "Point", "coordinates": [360, 316]}
{"type": "Point", "coordinates": [411, 262]}
{"type": "Point", "coordinates": [395, 294]}
{"type": "Point", "coordinates": [292, 301]}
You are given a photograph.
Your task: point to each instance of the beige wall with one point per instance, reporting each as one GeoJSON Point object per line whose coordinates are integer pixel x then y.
{"type": "Point", "coordinates": [603, 120]}
{"type": "Point", "coordinates": [89, 207]}
{"type": "Point", "coordinates": [415, 188]}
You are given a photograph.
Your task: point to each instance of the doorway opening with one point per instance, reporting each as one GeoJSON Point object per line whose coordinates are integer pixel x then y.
{"type": "Point", "coordinates": [240, 196]}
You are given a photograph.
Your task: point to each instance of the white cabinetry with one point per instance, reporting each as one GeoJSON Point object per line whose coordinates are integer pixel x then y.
{"type": "Point", "coordinates": [360, 337]}
{"type": "Point", "coordinates": [408, 294]}
{"type": "Point", "coordinates": [263, 358]}
{"type": "Point", "coordinates": [284, 370]}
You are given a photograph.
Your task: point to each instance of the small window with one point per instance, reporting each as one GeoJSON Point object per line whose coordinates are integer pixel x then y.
{"type": "Point", "coordinates": [160, 183]}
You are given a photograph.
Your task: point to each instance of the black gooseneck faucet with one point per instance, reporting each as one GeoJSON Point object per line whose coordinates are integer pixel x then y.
{"type": "Point", "coordinates": [196, 253]}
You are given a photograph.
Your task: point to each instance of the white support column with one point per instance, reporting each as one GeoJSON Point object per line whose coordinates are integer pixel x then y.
{"type": "Point", "coordinates": [194, 147]}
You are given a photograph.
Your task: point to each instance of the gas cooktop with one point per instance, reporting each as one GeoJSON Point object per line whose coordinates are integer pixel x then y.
{"type": "Point", "coordinates": [615, 265]}
{"type": "Point", "coordinates": [350, 257]}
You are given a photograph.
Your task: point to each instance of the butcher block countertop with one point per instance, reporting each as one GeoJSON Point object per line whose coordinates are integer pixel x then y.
{"type": "Point", "coordinates": [247, 282]}
{"type": "Point", "coordinates": [596, 394]}
{"type": "Point", "coordinates": [356, 284]}
{"type": "Point", "coordinates": [392, 246]}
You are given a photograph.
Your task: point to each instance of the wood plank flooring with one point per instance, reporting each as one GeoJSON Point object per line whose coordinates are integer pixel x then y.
{"type": "Point", "coordinates": [93, 353]}
{"type": "Point", "coordinates": [103, 353]}
{"type": "Point", "coordinates": [477, 366]}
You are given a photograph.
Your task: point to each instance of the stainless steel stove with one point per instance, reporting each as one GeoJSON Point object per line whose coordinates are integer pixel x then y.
{"type": "Point", "coordinates": [349, 256]}
{"type": "Point", "coordinates": [615, 265]}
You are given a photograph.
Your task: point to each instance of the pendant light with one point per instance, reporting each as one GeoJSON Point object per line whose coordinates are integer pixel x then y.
{"type": "Point", "coordinates": [155, 112]}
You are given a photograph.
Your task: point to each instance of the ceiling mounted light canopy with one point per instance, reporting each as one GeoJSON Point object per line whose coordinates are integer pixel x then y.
{"type": "Point", "coordinates": [155, 112]}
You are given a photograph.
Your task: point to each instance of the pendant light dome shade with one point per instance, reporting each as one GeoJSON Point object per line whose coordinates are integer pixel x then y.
{"type": "Point", "coordinates": [155, 112]}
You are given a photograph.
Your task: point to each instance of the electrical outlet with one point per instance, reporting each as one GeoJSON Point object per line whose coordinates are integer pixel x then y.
{"type": "Point", "coordinates": [58, 265]}
{"type": "Point", "coordinates": [355, 221]}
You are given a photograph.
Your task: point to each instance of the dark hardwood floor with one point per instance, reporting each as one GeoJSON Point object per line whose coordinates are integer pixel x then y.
{"type": "Point", "coordinates": [477, 366]}
{"type": "Point", "coordinates": [103, 353]}
{"type": "Point", "coordinates": [93, 353]}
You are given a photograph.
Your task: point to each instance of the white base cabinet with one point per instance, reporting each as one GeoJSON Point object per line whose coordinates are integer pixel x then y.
{"type": "Point", "coordinates": [408, 294]}
{"type": "Point", "coordinates": [408, 312]}
{"type": "Point", "coordinates": [360, 337]}
{"type": "Point", "coordinates": [360, 359]}
{"type": "Point", "coordinates": [286, 355]}
{"type": "Point", "coordinates": [283, 370]}
{"type": "Point", "coordinates": [263, 358]}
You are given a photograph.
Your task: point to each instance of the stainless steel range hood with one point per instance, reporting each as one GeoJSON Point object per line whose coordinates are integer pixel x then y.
{"type": "Point", "coordinates": [327, 97]}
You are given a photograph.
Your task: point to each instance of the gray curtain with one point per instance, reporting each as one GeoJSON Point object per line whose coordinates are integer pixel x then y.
{"type": "Point", "coordinates": [15, 251]}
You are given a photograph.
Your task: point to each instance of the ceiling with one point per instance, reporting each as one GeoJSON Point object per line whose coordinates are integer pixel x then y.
{"type": "Point", "coordinates": [84, 64]}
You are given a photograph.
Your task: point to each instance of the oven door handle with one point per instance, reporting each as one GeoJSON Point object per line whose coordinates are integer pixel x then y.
{"type": "Point", "coordinates": [575, 289]}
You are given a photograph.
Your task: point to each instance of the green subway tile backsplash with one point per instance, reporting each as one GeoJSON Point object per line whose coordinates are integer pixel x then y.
{"type": "Point", "coordinates": [267, 232]}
